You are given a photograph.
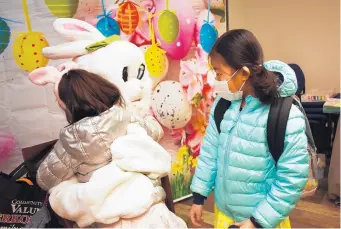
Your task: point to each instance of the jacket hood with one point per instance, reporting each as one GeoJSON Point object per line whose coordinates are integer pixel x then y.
{"type": "Point", "coordinates": [289, 84]}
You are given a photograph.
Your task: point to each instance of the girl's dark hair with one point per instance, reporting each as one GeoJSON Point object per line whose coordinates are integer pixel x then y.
{"type": "Point", "coordinates": [86, 94]}
{"type": "Point", "coordinates": [240, 48]}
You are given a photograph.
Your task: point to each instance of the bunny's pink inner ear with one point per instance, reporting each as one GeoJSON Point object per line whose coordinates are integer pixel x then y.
{"type": "Point", "coordinates": [74, 30]}
{"type": "Point", "coordinates": [45, 75]}
{"type": "Point", "coordinates": [74, 27]}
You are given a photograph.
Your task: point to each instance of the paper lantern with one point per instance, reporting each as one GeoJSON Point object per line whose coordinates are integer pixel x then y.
{"type": "Point", "coordinates": [27, 51]}
{"type": "Point", "coordinates": [208, 36]}
{"type": "Point", "coordinates": [62, 8]}
{"type": "Point", "coordinates": [5, 34]}
{"type": "Point", "coordinates": [108, 26]}
{"type": "Point", "coordinates": [168, 25]}
{"type": "Point", "coordinates": [128, 17]}
{"type": "Point", "coordinates": [170, 105]}
{"type": "Point", "coordinates": [155, 61]}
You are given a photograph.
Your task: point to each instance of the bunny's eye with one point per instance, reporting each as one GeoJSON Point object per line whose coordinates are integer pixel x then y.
{"type": "Point", "coordinates": [125, 74]}
{"type": "Point", "coordinates": [140, 73]}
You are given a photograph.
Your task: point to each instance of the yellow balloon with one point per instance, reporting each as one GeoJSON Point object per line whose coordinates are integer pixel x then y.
{"type": "Point", "coordinates": [155, 61]}
{"type": "Point", "coordinates": [62, 8]}
{"type": "Point", "coordinates": [27, 51]}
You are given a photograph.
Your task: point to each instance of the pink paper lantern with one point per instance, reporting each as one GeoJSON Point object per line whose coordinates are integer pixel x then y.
{"type": "Point", "coordinates": [186, 15]}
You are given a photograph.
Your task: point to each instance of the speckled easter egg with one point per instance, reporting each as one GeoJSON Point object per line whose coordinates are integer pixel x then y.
{"type": "Point", "coordinates": [168, 25]}
{"type": "Point", "coordinates": [27, 51]}
{"type": "Point", "coordinates": [155, 61]}
{"type": "Point", "coordinates": [108, 26]}
{"type": "Point", "coordinates": [62, 8]}
{"type": "Point", "coordinates": [208, 36]}
{"type": "Point", "coordinates": [170, 105]}
{"type": "Point", "coordinates": [5, 34]}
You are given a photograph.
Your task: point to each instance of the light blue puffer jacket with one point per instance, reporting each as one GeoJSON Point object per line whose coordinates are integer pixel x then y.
{"type": "Point", "coordinates": [238, 164]}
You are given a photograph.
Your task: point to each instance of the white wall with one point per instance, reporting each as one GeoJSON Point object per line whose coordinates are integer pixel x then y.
{"type": "Point", "coordinates": [306, 32]}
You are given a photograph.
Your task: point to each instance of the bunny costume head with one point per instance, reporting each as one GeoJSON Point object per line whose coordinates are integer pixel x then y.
{"type": "Point", "coordinates": [120, 62]}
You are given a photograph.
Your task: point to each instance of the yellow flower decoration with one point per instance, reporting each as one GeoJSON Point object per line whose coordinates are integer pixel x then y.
{"type": "Point", "coordinates": [177, 167]}
{"type": "Point", "coordinates": [195, 162]}
{"type": "Point", "coordinates": [183, 152]}
{"type": "Point", "coordinates": [190, 159]}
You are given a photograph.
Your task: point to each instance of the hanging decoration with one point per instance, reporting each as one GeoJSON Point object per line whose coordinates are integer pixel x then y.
{"type": "Point", "coordinates": [168, 25]}
{"type": "Point", "coordinates": [62, 8]}
{"type": "Point", "coordinates": [107, 25]}
{"type": "Point", "coordinates": [156, 79]}
{"type": "Point", "coordinates": [5, 33]}
{"type": "Point", "coordinates": [128, 17]}
{"type": "Point", "coordinates": [170, 105]}
{"type": "Point", "coordinates": [187, 20]}
{"type": "Point", "coordinates": [155, 57]}
{"type": "Point", "coordinates": [27, 48]}
{"type": "Point", "coordinates": [208, 33]}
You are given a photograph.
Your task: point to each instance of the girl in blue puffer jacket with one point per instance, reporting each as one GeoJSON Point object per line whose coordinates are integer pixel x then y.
{"type": "Point", "coordinates": [250, 189]}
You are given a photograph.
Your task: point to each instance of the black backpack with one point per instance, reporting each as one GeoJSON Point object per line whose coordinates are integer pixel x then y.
{"type": "Point", "coordinates": [276, 127]}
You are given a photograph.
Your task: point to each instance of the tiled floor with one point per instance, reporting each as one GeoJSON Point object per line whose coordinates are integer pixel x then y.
{"type": "Point", "coordinates": [312, 212]}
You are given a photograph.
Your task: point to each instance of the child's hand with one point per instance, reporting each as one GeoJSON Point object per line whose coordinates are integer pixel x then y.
{"type": "Point", "coordinates": [196, 214]}
{"type": "Point", "coordinates": [245, 224]}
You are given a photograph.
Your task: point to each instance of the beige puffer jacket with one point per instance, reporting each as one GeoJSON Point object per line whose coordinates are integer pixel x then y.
{"type": "Point", "coordinates": [84, 146]}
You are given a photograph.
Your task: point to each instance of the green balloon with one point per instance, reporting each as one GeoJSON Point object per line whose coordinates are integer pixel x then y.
{"type": "Point", "coordinates": [168, 25]}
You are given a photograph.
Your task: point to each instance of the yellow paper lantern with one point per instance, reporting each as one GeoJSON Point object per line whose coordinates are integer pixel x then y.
{"type": "Point", "coordinates": [27, 51]}
{"type": "Point", "coordinates": [62, 8]}
{"type": "Point", "coordinates": [155, 61]}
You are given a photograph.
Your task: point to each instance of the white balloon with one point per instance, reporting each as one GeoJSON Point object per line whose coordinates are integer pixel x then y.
{"type": "Point", "coordinates": [156, 80]}
{"type": "Point", "coordinates": [170, 105]}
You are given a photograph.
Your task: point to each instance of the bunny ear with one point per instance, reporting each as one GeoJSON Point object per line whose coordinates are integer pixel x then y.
{"type": "Point", "coordinates": [67, 50]}
{"type": "Point", "coordinates": [74, 30]}
{"type": "Point", "coordinates": [45, 75]}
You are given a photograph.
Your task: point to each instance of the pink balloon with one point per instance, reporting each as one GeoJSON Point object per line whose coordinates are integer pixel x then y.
{"type": "Point", "coordinates": [186, 15]}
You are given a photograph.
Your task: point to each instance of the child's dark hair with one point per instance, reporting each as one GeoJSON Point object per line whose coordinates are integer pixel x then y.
{"type": "Point", "coordinates": [86, 94]}
{"type": "Point", "coordinates": [240, 48]}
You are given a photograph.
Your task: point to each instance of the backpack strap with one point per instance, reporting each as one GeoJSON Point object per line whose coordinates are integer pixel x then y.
{"type": "Point", "coordinates": [277, 124]}
{"type": "Point", "coordinates": [222, 106]}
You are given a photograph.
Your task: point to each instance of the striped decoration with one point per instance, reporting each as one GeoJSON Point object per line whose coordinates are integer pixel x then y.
{"type": "Point", "coordinates": [62, 8]}
{"type": "Point", "coordinates": [128, 17]}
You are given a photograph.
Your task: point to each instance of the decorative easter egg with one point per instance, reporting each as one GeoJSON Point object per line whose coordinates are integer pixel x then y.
{"type": "Point", "coordinates": [157, 79]}
{"type": "Point", "coordinates": [170, 105]}
{"type": "Point", "coordinates": [5, 34]}
{"type": "Point", "coordinates": [108, 26]}
{"type": "Point", "coordinates": [128, 17]}
{"type": "Point", "coordinates": [155, 61]}
{"type": "Point", "coordinates": [208, 36]}
{"type": "Point", "coordinates": [62, 8]}
{"type": "Point", "coordinates": [168, 25]}
{"type": "Point", "coordinates": [201, 21]}
{"type": "Point", "coordinates": [187, 20]}
{"type": "Point", "coordinates": [27, 51]}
